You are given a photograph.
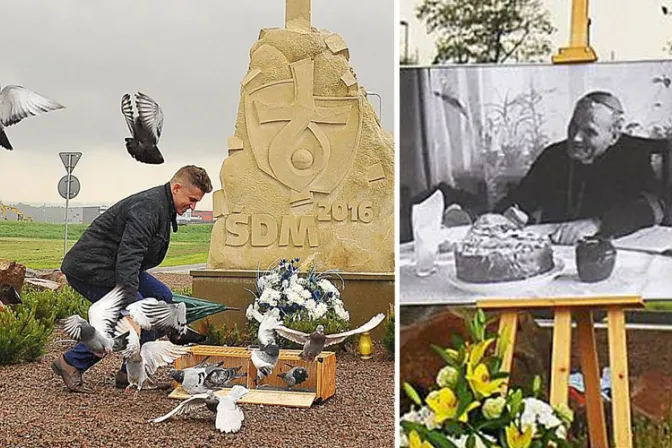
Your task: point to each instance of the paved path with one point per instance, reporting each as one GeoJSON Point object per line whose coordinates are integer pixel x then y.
{"type": "Point", "coordinates": [184, 269]}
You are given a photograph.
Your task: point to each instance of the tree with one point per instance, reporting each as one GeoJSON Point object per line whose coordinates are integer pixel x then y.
{"type": "Point", "coordinates": [488, 30]}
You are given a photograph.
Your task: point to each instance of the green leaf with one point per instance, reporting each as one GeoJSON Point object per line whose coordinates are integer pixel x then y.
{"type": "Point", "coordinates": [454, 428]}
{"type": "Point", "coordinates": [499, 375]}
{"type": "Point", "coordinates": [412, 394]}
{"type": "Point", "coordinates": [456, 340]}
{"type": "Point", "coordinates": [471, 441]}
{"type": "Point", "coordinates": [536, 386]}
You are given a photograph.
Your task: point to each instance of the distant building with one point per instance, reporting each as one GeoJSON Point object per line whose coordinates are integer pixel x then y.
{"type": "Point", "coordinates": [205, 215]}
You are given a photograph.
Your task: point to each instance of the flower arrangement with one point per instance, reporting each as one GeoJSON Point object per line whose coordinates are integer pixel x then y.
{"type": "Point", "coordinates": [472, 407]}
{"type": "Point", "coordinates": [303, 300]}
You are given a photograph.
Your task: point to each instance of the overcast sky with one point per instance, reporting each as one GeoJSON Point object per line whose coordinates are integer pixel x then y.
{"type": "Point", "coordinates": [631, 29]}
{"type": "Point", "coordinates": [190, 56]}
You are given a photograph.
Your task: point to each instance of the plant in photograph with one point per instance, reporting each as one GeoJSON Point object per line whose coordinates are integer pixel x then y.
{"type": "Point", "coordinates": [470, 404]}
{"type": "Point", "coordinates": [304, 300]}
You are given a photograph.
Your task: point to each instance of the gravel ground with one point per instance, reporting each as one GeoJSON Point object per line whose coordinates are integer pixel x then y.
{"type": "Point", "coordinates": [36, 410]}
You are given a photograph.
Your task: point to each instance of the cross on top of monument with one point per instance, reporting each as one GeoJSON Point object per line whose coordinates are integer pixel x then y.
{"type": "Point", "coordinates": [297, 14]}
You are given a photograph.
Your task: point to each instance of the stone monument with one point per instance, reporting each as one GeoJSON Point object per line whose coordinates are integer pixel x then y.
{"type": "Point", "coordinates": [309, 172]}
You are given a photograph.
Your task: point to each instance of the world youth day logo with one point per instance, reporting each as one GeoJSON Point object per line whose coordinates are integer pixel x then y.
{"type": "Point", "coordinates": [305, 142]}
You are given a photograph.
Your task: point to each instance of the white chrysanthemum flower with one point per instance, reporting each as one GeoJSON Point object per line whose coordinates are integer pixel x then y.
{"type": "Point", "coordinates": [285, 284]}
{"type": "Point", "coordinates": [270, 297]}
{"type": "Point", "coordinates": [273, 278]}
{"type": "Point", "coordinates": [539, 412]}
{"type": "Point", "coordinates": [248, 312]}
{"type": "Point", "coordinates": [305, 294]}
{"type": "Point", "coordinates": [341, 312]}
{"type": "Point", "coordinates": [302, 281]}
{"type": "Point", "coordinates": [328, 287]}
{"type": "Point", "coordinates": [310, 305]}
{"type": "Point", "coordinates": [320, 310]}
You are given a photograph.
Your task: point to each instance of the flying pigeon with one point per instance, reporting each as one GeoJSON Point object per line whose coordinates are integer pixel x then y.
{"type": "Point", "coordinates": [153, 314]}
{"type": "Point", "coordinates": [17, 103]}
{"type": "Point", "coordinates": [264, 360]}
{"type": "Point", "coordinates": [201, 377]}
{"type": "Point", "coordinates": [294, 376]}
{"type": "Point", "coordinates": [96, 333]}
{"type": "Point", "coordinates": [229, 417]}
{"type": "Point", "coordinates": [268, 322]}
{"type": "Point", "coordinates": [142, 362]}
{"type": "Point", "coordinates": [314, 342]}
{"type": "Point", "coordinates": [145, 128]}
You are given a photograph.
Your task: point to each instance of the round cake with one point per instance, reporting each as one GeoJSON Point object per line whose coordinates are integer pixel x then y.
{"type": "Point", "coordinates": [497, 250]}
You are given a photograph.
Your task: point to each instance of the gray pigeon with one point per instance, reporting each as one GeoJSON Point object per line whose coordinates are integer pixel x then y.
{"type": "Point", "coordinates": [145, 128]}
{"type": "Point", "coordinates": [314, 343]}
{"type": "Point", "coordinates": [294, 376]}
{"type": "Point", "coordinates": [17, 103]}
{"type": "Point", "coordinates": [152, 314]}
{"type": "Point", "coordinates": [229, 417]}
{"type": "Point", "coordinates": [264, 360]}
{"type": "Point", "coordinates": [201, 377]}
{"type": "Point", "coordinates": [96, 333]}
{"type": "Point", "coordinates": [143, 362]}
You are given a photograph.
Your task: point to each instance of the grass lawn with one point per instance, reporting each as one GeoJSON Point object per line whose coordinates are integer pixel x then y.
{"type": "Point", "coordinates": [40, 245]}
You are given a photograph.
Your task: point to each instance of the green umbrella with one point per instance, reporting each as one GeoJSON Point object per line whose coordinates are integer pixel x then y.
{"type": "Point", "coordinates": [200, 308]}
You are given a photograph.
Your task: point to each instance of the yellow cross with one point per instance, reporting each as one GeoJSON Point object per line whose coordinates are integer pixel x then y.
{"type": "Point", "coordinates": [297, 14]}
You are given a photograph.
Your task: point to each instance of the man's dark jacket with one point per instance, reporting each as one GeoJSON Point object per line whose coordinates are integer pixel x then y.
{"type": "Point", "coordinates": [619, 187]}
{"type": "Point", "coordinates": [129, 237]}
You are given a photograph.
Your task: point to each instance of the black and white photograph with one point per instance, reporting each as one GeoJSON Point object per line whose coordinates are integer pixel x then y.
{"type": "Point", "coordinates": [535, 180]}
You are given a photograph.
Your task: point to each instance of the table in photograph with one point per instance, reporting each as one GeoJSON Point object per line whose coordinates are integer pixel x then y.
{"type": "Point", "coordinates": [642, 269]}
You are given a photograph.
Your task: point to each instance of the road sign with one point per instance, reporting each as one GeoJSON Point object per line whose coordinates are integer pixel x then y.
{"type": "Point", "coordinates": [63, 187]}
{"type": "Point", "coordinates": [70, 159]}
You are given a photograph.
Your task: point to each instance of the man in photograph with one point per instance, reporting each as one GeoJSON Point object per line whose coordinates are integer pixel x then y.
{"type": "Point", "coordinates": [118, 248]}
{"type": "Point", "coordinates": [597, 181]}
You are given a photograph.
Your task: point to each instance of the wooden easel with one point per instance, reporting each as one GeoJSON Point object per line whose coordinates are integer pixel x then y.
{"type": "Point", "coordinates": [582, 310]}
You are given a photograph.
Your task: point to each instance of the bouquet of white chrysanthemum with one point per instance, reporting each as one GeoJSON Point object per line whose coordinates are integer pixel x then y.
{"type": "Point", "coordinates": [304, 301]}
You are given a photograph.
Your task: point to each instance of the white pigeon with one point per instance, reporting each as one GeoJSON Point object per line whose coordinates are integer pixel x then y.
{"type": "Point", "coordinates": [17, 103]}
{"type": "Point", "coordinates": [314, 343]}
{"type": "Point", "coordinates": [268, 322]}
{"type": "Point", "coordinates": [153, 314]}
{"type": "Point", "coordinates": [96, 334]}
{"type": "Point", "coordinates": [229, 416]}
{"type": "Point", "coordinates": [142, 362]}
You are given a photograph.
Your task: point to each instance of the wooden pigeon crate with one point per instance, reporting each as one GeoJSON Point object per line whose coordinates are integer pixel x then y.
{"type": "Point", "coordinates": [320, 385]}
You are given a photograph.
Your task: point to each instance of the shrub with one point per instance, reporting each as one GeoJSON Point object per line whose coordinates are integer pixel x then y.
{"type": "Point", "coordinates": [56, 305]}
{"type": "Point", "coordinates": [22, 336]}
{"type": "Point", "coordinates": [222, 335]}
{"type": "Point", "coordinates": [25, 329]}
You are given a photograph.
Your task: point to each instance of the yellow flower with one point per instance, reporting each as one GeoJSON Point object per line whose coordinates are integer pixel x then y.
{"type": "Point", "coordinates": [479, 380]}
{"type": "Point", "coordinates": [515, 439]}
{"type": "Point", "coordinates": [478, 351]}
{"type": "Point", "coordinates": [414, 441]}
{"type": "Point", "coordinates": [444, 404]}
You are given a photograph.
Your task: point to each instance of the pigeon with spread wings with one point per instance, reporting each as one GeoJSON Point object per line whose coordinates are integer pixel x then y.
{"type": "Point", "coordinates": [96, 334]}
{"type": "Point", "coordinates": [17, 103]}
{"type": "Point", "coordinates": [145, 128]}
{"type": "Point", "coordinates": [314, 342]}
{"type": "Point", "coordinates": [142, 362]}
{"type": "Point", "coordinates": [229, 417]}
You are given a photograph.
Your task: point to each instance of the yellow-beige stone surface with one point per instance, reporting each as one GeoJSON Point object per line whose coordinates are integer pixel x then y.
{"type": "Point", "coordinates": [310, 171]}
